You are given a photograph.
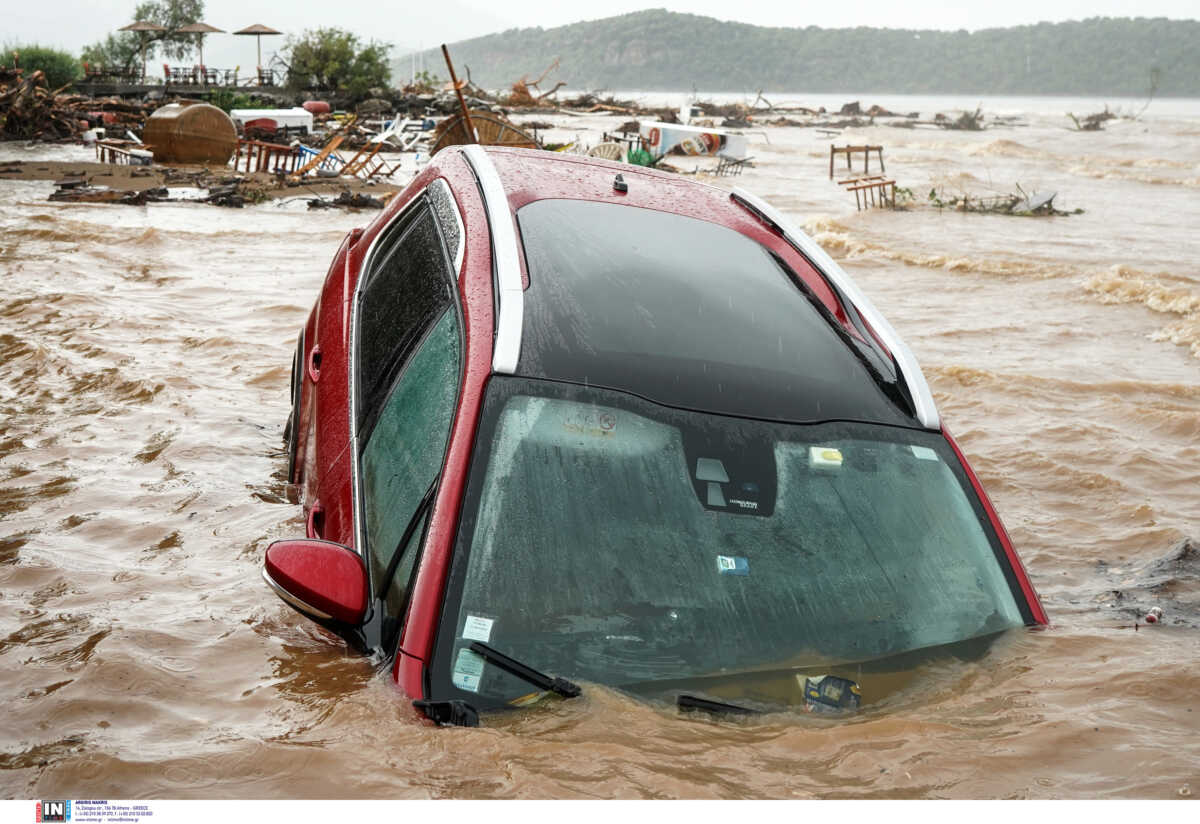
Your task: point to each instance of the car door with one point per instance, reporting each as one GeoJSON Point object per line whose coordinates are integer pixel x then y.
{"type": "Point", "coordinates": [407, 366]}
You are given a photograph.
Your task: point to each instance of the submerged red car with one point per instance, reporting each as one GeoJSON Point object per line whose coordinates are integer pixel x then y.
{"type": "Point", "coordinates": [562, 420]}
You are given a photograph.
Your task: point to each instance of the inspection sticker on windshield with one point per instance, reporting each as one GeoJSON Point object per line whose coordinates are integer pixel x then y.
{"type": "Point", "coordinates": [924, 453]}
{"type": "Point", "coordinates": [478, 628]}
{"type": "Point", "coordinates": [825, 456]}
{"type": "Point", "coordinates": [732, 565]}
{"type": "Point", "coordinates": [468, 669]}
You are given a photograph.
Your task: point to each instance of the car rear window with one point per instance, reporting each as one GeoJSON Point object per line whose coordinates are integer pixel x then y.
{"type": "Point", "coordinates": [687, 313]}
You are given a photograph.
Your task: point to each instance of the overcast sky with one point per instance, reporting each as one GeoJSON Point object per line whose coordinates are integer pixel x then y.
{"type": "Point", "coordinates": [71, 24]}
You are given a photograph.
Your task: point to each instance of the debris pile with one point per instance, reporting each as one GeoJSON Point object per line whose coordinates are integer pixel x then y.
{"type": "Point", "coordinates": [967, 121]}
{"type": "Point", "coordinates": [349, 200]}
{"type": "Point", "coordinates": [1018, 204]}
{"type": "Point", "coordinates": [1092, 122]}
{"type": "Point", "coordinates": [28, 111]}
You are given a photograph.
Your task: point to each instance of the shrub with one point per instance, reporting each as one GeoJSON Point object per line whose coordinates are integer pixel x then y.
{"type": "Point", "coordinates": [61, 68]}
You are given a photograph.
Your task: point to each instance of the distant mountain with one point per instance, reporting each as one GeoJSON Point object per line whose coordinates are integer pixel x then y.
{"type": "Point", "coordinates": [657, 50]}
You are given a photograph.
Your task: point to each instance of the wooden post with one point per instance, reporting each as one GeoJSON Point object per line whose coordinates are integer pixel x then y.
{"type": "Point", "coordinates": [462, 102]}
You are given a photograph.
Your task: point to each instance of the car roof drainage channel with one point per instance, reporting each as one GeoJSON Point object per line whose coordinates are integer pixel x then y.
{"type": "Point", "coordinates": [922, 397]}
{"type": "Point", "coordinates": [505, 261]}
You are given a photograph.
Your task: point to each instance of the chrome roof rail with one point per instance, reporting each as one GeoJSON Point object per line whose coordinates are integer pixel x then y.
{"type": "Point", "coordinates": [506, 263]}
{"type": "Point", "coordinates": [909, 369]}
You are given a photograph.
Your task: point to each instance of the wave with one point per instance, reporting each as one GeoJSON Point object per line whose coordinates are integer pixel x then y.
{"type": "Point", "coordinates": [837, 240]}
{"type": "Point", "coordinates": [1124, 284]}
{"type": "Point", "coordinates": [1007, 148]}
{"type": "Point", "coordinates": [1126, 173]}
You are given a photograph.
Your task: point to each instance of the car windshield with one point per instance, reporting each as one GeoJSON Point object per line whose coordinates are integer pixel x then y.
{"type": "Point", "coordinates": [608, 539]}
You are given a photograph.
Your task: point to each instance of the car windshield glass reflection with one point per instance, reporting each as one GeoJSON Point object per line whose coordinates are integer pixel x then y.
{"type": "Point", "coordinates": [615, 541]}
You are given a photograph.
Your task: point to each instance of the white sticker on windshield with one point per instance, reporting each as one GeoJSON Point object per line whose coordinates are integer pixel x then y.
{"type": "Point", "coordinates": [825, 456]}
{"type": "Point", "coordinates": [478, 628]}
{"type": "Point", "coordinates": [468, 669]}
{"type": "Point", "coordinates": [924, 453]}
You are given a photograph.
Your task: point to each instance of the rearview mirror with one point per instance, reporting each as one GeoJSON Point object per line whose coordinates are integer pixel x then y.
{"type": "Point", "coordinates": [323, 580]}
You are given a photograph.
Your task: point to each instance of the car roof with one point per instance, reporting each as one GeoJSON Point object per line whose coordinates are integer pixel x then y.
{"type": "Point", "coordinates": [670, 290]}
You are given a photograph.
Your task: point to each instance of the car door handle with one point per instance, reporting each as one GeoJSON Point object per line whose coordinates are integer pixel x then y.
{"type": "Point", "coordinates": [316, 521]}
{"type": "Point", "coordinates": [314, 363]}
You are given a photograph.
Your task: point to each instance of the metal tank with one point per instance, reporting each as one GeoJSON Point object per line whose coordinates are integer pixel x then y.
{"type": "Point", "coordinates": [190, 133]}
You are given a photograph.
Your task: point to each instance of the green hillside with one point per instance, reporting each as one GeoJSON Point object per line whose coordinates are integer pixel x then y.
{"type": "Point", "coordinates": [665, 51]}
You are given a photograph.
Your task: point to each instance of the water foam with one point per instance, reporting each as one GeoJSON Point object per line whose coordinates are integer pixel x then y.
{"type": "Point", "coordinates": [1125, 284]}
{"type": "Point", "coordinates": [836, 239]}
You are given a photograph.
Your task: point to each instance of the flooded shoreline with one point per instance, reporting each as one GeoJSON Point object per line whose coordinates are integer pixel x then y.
{"type": "Point", "coordinates": [146, 355]}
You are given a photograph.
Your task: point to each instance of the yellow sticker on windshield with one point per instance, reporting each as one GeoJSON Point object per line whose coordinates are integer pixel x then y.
{"type": "Point", "coordinates": [826, 456]}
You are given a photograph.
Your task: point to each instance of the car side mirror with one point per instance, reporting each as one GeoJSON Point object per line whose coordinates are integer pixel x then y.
{"type": "Point", "coordinates": [325, 581]}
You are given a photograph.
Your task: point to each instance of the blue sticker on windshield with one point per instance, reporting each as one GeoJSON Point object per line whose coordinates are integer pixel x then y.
{"type": "Point", "coordinates": [732, 565]}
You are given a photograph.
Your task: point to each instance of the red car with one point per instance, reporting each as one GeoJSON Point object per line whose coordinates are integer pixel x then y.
{"type": "Point", "coordinates": [560, 415]}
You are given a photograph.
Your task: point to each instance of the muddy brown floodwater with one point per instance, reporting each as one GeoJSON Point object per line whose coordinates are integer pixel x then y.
{"type": "Point", "coordinates": [144, 364]}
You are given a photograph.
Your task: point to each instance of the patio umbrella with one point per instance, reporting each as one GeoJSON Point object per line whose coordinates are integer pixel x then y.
{"type": "Point", "coordinates": [258, 30]}
{"type": "Point", "coordinates": [200, 29]}
{"type": "Point", "coordinates": [141, 27]}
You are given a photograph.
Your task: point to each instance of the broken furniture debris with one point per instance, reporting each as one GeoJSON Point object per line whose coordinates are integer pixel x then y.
{"type": "Point", "coordinates": [123, 152]}
{"type": "Point", "coordinates": [870, 186]}
{"type": "Point", "coordinates": [868, 189]}
{"type": "Point", "coordinates": [732, 166]}
{"type": "Point", "coordinates": [1018, 204]}
{"type": "Point", "coordinates": [261, 156]}
{"type": "Point", "coordinates": [850, 151]}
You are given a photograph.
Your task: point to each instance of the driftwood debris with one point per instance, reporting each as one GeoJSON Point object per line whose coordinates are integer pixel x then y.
{"type": "Point", "coordinates": [1092, 122]}
{"type": "Point", "coordinates": [967, 121]}
{"type": "Point", "coordinates": [526, 92]}
{"type": "Point", "coordinates": [78, 191]}
{"type": "Point", "coordinates": [349, 200]}
{"type": "Point", "coordinates": [29, 111]}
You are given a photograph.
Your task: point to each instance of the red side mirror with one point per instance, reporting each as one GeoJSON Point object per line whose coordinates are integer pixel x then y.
{"type": "Point", "coordinates": [322, 579]}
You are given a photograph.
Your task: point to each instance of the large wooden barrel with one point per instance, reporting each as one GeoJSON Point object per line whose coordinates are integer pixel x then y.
{"type": "Point", "coordinates": [190, 133]}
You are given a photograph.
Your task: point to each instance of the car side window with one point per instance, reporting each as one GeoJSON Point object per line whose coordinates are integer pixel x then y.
{"type": "Point", "coordinates": [401, 580]}
{"type": "Point", "coordinates": [403, 454]}
{"type": "Point", "coordinates": [405, 292]}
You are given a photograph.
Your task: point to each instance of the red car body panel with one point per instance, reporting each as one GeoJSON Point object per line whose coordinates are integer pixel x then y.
{"type": "Point", "coordinates": [324, 456]}
{"type": "Point", "coordinates": [1035, 603]}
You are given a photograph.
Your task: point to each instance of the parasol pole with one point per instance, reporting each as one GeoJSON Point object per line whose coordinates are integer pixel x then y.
{"type": "Point", "coordinates": [472, 137]}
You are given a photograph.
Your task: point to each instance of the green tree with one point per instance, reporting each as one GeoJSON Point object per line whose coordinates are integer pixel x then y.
{"type": "Point", "coordinates": [335, 59]}
{"type": "Point", "coordinates": [61, 68]}
{"type": "Point", "coordinates": [124, 48]}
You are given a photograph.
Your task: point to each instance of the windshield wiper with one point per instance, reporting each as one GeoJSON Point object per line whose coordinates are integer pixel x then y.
{"type": "Point", "coordinates": [452, 713]}
{"type": "Point", "coordinates": [558, 686]}
{"type": "Point", "coordinates": [691, 702]}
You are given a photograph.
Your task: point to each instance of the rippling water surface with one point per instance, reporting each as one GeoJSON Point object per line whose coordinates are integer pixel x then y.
{"type": "Point", "coordinates": [144, 363]}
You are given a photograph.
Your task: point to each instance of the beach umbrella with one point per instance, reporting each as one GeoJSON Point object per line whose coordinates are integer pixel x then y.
{"type": "Point", "coordinates": [258, 30]}
{"type": "Point", "coordinates": [200, 29]}
{"type": "Point", "coordinates": [141, 27]}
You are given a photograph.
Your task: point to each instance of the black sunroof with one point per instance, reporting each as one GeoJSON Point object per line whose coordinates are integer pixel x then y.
{"type": "Point", "coordinates": [683, 312]}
